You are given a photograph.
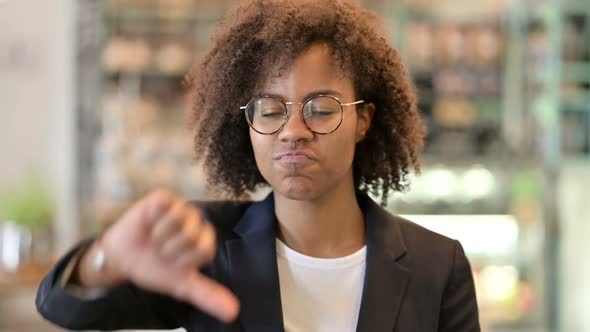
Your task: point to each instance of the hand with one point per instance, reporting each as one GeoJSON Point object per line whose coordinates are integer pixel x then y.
{"type": "Point", "coordinates": [158, 244]}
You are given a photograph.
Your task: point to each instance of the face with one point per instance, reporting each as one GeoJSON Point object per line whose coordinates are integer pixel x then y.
{"type": "Point", "coordinates": [298, 163]}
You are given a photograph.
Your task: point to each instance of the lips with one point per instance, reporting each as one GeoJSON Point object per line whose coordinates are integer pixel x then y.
{"type": "Point", "coordinates": [294, 158]}
{"type": "Point", "coordinates": [294, 155]}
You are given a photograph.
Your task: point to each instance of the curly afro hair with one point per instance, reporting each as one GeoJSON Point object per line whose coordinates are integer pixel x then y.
{"type": "Point", "coordinates": [266, 36]}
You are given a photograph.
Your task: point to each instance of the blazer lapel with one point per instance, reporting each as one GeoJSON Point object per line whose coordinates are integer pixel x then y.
{"type": "Point", "coordinates": [385, 278]}
{"type": "Point", "coordinates": [254, 271]}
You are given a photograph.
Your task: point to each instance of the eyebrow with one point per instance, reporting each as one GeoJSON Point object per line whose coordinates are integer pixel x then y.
{"type": "Point", "coordinates": [309, 95]}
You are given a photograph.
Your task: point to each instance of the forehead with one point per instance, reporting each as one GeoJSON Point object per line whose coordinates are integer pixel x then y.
{"type": "Point", "coordinates": [316, 68]}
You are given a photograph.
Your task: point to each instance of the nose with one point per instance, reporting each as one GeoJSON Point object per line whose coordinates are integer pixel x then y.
{"type": "Point", "coordinates": [295, 128]}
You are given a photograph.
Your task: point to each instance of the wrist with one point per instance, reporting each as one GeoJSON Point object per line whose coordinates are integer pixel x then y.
{"type": "Point", "coordinates": [96, 268]}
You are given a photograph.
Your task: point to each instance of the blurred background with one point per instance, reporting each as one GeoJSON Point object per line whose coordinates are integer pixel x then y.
{"type": "Point", "coordinates": [93, 115]}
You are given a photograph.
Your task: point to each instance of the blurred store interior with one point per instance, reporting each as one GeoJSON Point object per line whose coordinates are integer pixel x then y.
{"type": "Point", "coordinates": [93, 116]}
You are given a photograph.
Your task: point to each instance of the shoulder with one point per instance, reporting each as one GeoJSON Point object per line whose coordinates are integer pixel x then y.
{"type": "Point", "coordinates": [442, 272]}
{"type": "Point", "coordinates": [428, 250]}
{"type": "Point", "coordinates": [417, 236]}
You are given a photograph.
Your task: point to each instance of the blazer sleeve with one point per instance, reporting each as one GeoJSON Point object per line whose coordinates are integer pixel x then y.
{"type": "Point", "coordinates": [122, 307]}
{"type": "Point", "coordinates": [459, 312]}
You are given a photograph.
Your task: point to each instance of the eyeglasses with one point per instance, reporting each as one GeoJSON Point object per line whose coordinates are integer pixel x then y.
{"type": "Point", "coordinates": [322, 114]}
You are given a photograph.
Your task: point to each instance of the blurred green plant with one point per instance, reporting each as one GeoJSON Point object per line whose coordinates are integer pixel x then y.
{"type": "Point", "coordinates": [28, 204]}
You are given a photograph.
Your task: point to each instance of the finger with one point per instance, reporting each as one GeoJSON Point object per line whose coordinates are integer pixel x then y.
{"type": "Point", "coordinates": [169, 225]}
{"type": "Point", "coordinates": [159, 202]}
{"type": "Point", "coordinates": [206, 244]}
{"type": "Point", "coordinates": [208, 295]}
{"type": "Point", "coordinates": [193, 223]}
{"type": "Point", "coordinates": [141, 211]}
{"type": "Point", "coordinates": [202, 253]}
{"type": "Point", "coordinates": [188, 260]}
{"type": "Point", "coordinates": [186, 241]}
{"type": "Point", "coordinates": [178, 245]}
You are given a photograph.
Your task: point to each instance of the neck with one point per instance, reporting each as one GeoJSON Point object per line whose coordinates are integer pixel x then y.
{"type": "Point", "coordinates": [329, 226]}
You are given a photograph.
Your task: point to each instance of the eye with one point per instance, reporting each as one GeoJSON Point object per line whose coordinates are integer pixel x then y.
{"type": "Point", "coordinates": [271, 112]}
{"type": "Point", "coordinates": [319, 111]}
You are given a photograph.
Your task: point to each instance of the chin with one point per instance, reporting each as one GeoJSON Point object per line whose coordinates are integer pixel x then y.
{"type": "Point", "coordinates": [297, 188]}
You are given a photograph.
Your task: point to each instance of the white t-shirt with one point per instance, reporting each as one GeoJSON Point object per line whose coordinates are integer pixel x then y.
{"type": "Point", "coordinates": [320, 294]}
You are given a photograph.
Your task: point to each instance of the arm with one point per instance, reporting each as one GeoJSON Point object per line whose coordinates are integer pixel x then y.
{"type": "Point", "coordinates": [121, 307]}
{"type": "Point", "coordinates": [459, 312]}
{"type": "Point", "coordinates": [155, 272]}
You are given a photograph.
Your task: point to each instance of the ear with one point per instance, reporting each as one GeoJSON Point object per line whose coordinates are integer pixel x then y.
{"type": "Point", "coordinates": [363, 123]}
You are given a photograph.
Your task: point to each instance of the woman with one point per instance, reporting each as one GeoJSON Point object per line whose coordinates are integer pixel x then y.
{"type": "Point", "coordinates": [308, 98]}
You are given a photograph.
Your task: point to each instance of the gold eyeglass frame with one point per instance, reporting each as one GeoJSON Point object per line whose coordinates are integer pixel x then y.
{"type": "Point", "coordinates": [287, 114]}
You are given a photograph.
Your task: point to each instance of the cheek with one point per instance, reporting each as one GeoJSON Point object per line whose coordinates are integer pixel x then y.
{"type": "Point", "coordinates": [261, 145]}
{"type": "Point", "coordinates": [340, 151]}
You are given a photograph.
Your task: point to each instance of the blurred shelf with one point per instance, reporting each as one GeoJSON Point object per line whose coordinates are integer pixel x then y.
{"type": "Point", "coordinates": [162, 16]}
{"type": "Point", "coordinates": [580, 103]}
{"type": "Point", "coordinates": [147, 74]}
{"type": "Point", "coordinates": [578, 72]}
{"type": "Point", "coordinates": [483, 236]}
{"type": "Point", "coordinates": [147, 27]}
{"type": "Point", "coordinates": [466, 22]}
{"type": "Point", "coordinates": [422, 15]}
{"type": "Point", "coordinates": [460, 67]}
{"type": "Point", "coordinates": [503, 160]}
{"type": "Point", "coordinates": [576, 7]}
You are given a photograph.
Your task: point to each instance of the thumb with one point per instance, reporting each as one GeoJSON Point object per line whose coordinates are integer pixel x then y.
{"type": "Point", "coordinates": [207, 295]}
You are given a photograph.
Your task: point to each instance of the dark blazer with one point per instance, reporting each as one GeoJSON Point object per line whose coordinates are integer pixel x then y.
{"type": "Point", "coordinates": [415, 280]}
